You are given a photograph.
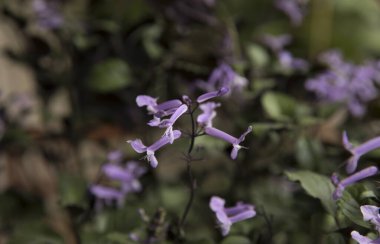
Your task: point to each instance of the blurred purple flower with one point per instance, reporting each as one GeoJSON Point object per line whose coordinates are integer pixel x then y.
{"type": "Point", "coordinates": [205, 118]}
{"type": "Point", "coordinates": [287, 61]}
{"type": "Point", "coordinates": [353, 85]}
{"type": "Point", "coordinates": [228, 138]}
{"type": "Point", "coordinates": [276, 43]}
{"type": "Point", "coordinates": [128, 177]}
{"type": "Point", "coordinates": [227, 216]}
{"type": "Point", "coordinates": [223, 76]}
{"type": "Point", "coordinates": [363, 239]}
{"type": "Point", "coordinates": [371, 214]}
{"type": "Point", "coordinates": [358, 151]}
{"type": "Point", "coordinates": [48, 13]}
{"type": "Point", "coordinates": [294, 9]}
{"type": "Point", "coordinates": [139, 147]}
{"type": "Point", "coordinates": [115, 156]}
{"type": "Point", "coordinates": [360, 175]}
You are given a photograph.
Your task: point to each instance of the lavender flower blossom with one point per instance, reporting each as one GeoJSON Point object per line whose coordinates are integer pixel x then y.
{"type": "Point", "coordinates": [371, 213]}
{"type": "Point", "coordinates": [293, 9]}
{"type": "Point", "coordinates": [360, 175]}
{"type": "Point", "coordinates": [127, 177]}
{"type": "Point", "coordinates": [358, 151]}
{"type": "Point", "coordinates": [168, 123]}
{"type": "Point", "coordinates": [115, 156]}
{"type": "Point", "coordinates": [209, 95]}
{"type": "Point", "coordinates": [287, 61]}
{"type": "Point", "coordinates": [158, 110]}
{"type": "Point", "coordinates": [48, 13]}
{"type": "Point", "coordinates": [227, 216]}
{"type": "Point", "coordinates": [363, 239]}
{"type": "Point", "coordinates": [106, 195]}
{"type": "Point", "coordinates": [228, 138]}
{"type": "Point", "coordinates": [139, 147]}
{"type": "Point", "coordinates": [276, 43]}
{"type": "Point", "coordinates": [205, 118]}
{"type": "Point", "coordinates": [223, 76]}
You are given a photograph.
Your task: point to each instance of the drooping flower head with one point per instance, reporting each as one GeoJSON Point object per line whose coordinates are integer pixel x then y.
{"type": "Point", "coordinates": [139, 147]}
{"type": "Point", "coordinates": [227, 216]}
{"type": "Point", "coordinates": [205, 118]}
{"type": "Point", "coordinates": [228, 138]}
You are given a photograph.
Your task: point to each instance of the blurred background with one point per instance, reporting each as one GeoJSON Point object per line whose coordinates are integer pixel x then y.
{"type": "Point", "coordinates": [70, 71]}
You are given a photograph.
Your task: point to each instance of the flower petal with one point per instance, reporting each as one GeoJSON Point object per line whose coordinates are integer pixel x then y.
{"type": "Point", "coordinates": [137, 145]}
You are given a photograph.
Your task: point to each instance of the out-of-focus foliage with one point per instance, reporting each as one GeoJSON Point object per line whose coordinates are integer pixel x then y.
{"type": "Point", "coordinates": [70, 71]}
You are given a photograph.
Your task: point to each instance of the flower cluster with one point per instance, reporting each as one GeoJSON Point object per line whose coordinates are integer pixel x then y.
{"type": "Point", "coordinates": [352, 162]}
{"type": "Point", "coordinates": [227, 216]}
{"type": "Point", "coordinates": [345, 82]}
{"type": "Point", "coordinates": [126, 178]}
{"type": "Point", "coordinates": [175, 109]}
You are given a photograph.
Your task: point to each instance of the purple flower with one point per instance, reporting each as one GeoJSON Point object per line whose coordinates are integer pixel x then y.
{"type": "Point", "coordinates": [227, 216]}
{"type": "Point", "coordinates": [360, 175]}
{"type": "Point", "coordinates": [168, 123]}
{"type": "Point", "coordinates": [371, 213]}
{"type": "Point", "coordinates": [158, 110]}
{"type": "Point", "coordinates": [363, 239]}
{"type": "Point", "coordinates": [287, 61]}
{"type": "Point", "coordinates": [48, 13]}
{"type": "Point", "coordinates": [223, 76]}
{"type": "Point", "coordinates": [213, 94]}
{"type": "Point", "coordinates": [228, 138]}
{"type": "Point", "coordinates": [358, 151]}
{"type": "Point", "coordinates": [276, 43]}
{"type": "Point", "coordinates": [115, 156]}
{"type": "Point", "coordinates": [139, 147]}
{"type": "Point", "coordinates": [205, 118]}
{"type": "Point", "coordinates": [106, 195]}
{"type": "Point", "coordinates": [344, 82]}
{"type": "Point", "coordinates": [293, 9]}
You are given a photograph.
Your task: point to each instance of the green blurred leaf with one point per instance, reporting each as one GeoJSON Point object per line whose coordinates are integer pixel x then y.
{"type": "Point", "coordinates": [279, 106]}
{"type": "Point", "coordinates": [316, 185]}
{"type": "Point", "coordinates": [308, 152]}
{"type": "Point", "coordinates": [236, 240]}
{"type": "Point", "coordinates": [72, 190]}
{"type": "Point", "coordinates": [257, 55]}
{"type": "Point", "coordinates": [109, 75]}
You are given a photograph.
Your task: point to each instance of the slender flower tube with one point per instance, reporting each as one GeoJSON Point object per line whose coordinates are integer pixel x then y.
{"type": "Point", "coordinates": [139, 147]}
{"type": "Point", "coordinates": [228, 138]}
{"type": "Point", "coordinates": [168, 123]}
{"type": "Point", "coordinates": [227, 216]}
{"type": "Point", "coordinates": [358, 151]}
{"type": "Point", "coordinates": [363, 239]}
{"type": "Point", "coordinates": [210, 95]}
{"type": "Point", "coordinates": [205, 118]}
{"type": "Point", "coordinates": [360, 175]}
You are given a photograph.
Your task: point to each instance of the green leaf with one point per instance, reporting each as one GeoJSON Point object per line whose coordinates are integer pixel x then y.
{"type": "Point", "coordinates": [348, 204]}
{"type": "Point", "coordinates": [316, 185]}
{"type": "Point", "coordinates": [236, 240]}
{"type": "Point", "coordinates": [257, 55]}
{"type": "Point", "coordinates": [72, 190]}
{"type": "Point", "coordinates": [279, 106]}
{"type": "Point", "coordinates": [109, 75]}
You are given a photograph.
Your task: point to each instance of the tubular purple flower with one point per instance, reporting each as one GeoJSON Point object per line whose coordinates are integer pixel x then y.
{"type": "Point", "coordinates": [168, 123]}
{"type": "Point", "coordinates": [227, 216]}
{"type": "Point", "coordinates": [371, 213]}
{"type": "Point", "coordinates": [360, 175]}
{"type": "Point", "coordinates": [205, 118]}
{"type": "Point", "coordinates": [358, 151]}
{"type": "Point", "coordinates": [148, 101]}
{"type": "Point", "coordinates": [228, 138]}
{"type": "Point", "coordinates": [159, 110]}
{"type": "Point", "coordinates": [363, 239]}
{"type": "Point", "coordinates": [139, 147]}
{"type": "Point", "coordinates": [210, 95]}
